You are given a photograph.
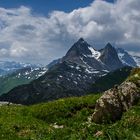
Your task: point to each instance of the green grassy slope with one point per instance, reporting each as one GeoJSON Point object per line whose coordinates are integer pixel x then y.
{"type": "Point", "coordinates": [7, 83]}
{"type": "Point", "coordinates": [108, 81]}
{"type": "Point", "coordinates": [65, 119]}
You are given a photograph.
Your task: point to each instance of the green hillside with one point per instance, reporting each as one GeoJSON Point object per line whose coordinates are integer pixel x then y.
{"type": "Point", "coordinates": [9, 82]}
{"type": "Point", "coordinates": [67, 119]}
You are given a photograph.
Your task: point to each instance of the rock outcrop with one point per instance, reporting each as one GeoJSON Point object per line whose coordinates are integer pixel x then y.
{"type": "Point", "coordinates": [114, 102]}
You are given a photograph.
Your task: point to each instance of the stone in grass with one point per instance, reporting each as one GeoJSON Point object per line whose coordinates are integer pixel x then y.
{"type": "Point", "coordinates": [114, 102]}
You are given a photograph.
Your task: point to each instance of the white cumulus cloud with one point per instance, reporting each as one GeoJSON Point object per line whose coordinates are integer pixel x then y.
{"type": "Point", "coordinates": [25, 36]}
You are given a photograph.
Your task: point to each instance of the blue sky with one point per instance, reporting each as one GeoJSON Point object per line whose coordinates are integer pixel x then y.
{"type": "Point", "coordinates": [46, 6]}
{"type": "Point", "coordinates": [39, 31]}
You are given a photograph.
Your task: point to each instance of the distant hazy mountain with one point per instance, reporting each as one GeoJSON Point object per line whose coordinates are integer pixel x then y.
{"type": "Point", "coordinates": [7, 67]}
{"type": "Point", "coordinates": [20, 77]}
{"type": "Point", "coordinates": [2, 72]}
{"type": "Point", "coordinates": [126, 58]}
{"type": "Point", "coordinates": [137, 60]}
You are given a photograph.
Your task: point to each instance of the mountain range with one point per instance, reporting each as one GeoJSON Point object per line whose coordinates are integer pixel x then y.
{"type": "Point", "coordinates": [19, 77]}
{"type": "Point", "coordinates": [8, 67]}
{"type": "Point", "coordinates": [72, 75]}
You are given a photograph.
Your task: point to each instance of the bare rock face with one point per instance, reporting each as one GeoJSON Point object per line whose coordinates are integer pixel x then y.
{"type": "Point", "coordinates": [114, 102]}
{"type": "Point", "coordinates": [110, 57]}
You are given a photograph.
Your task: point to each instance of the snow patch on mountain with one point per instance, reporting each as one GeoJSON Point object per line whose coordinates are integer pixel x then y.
{"type": "Point", "coordinates": [30, 73]}
{"type": "Point", "coordinates": [95, 54]}
{"type": "Point", "coordinates": [121, 55]}
{"type": "Point", "coordinates": [126, 58]}
{"type": "Point", "coordinates": [137, 60]}
{"type": "Point", "coordinates": [10, 66]}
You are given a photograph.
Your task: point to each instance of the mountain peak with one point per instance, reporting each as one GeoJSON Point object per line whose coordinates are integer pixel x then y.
{"type": "Point", "coordinates": [79, 48]}
{"type": "Point", "coordinates": [110, 57]}
{"type": "Point", "coordinates": [109, 49]}
{"type": "Point", "coordinates": [109, 46]}
{"type": "Point", "coordinates": [81, 40]}
{"type": "Point", "coordinates": [82, 43]}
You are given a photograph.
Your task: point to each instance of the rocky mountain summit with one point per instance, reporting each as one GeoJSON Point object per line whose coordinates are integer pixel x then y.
{"type": "Point", "coordinates": [114, 102]}
{"type": "Point", "coordinates": [84, 54]}
{"type": "Point", "coordinates": [110, 58]}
